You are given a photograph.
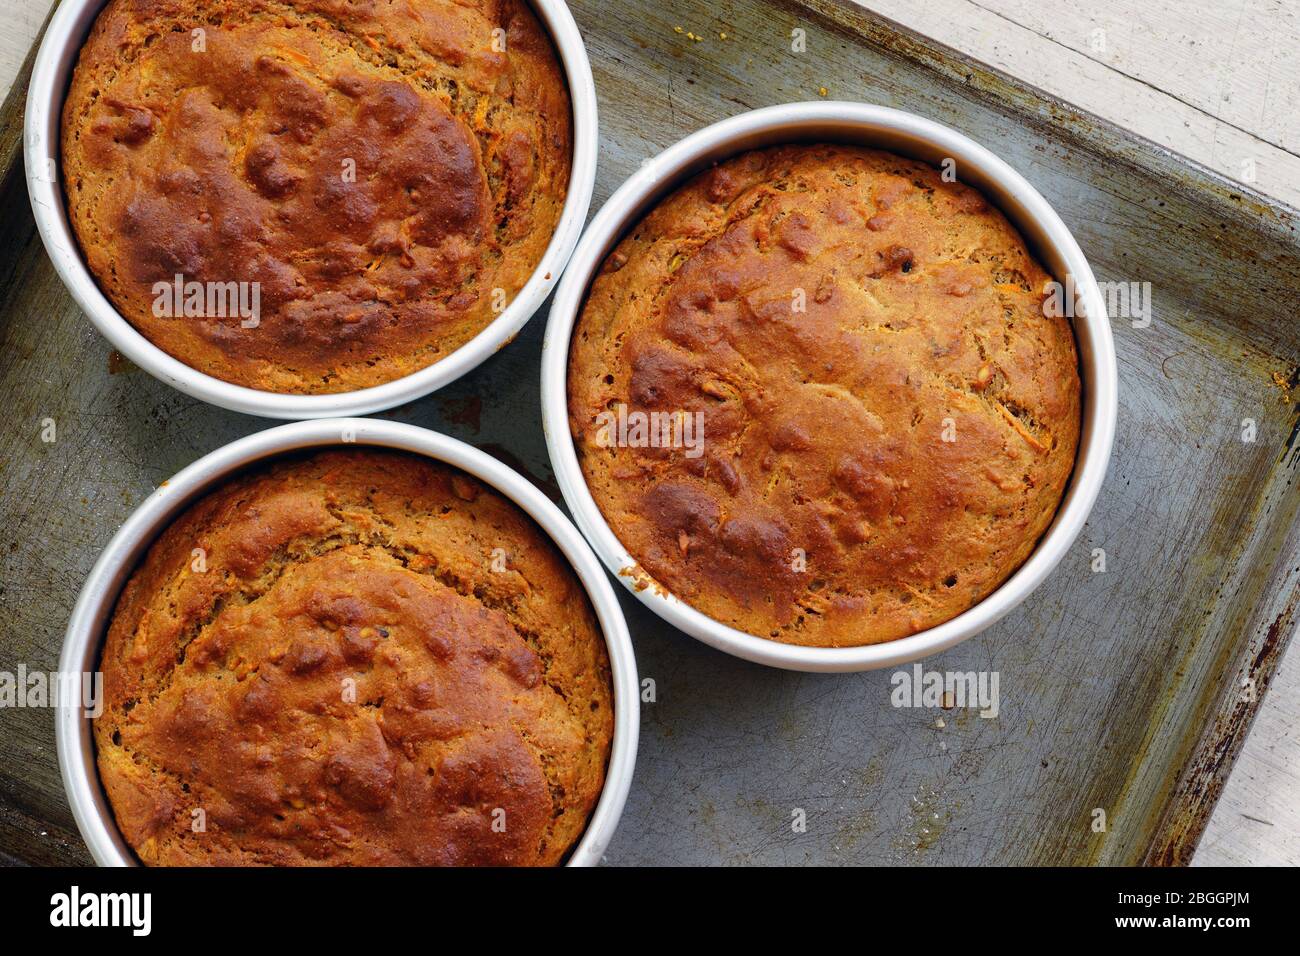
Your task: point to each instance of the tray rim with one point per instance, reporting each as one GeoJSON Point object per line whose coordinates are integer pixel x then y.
{"type": "Point", "coordinates": [1242, 199]}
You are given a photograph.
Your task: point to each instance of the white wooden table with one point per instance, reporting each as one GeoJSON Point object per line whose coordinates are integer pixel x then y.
{"type": "Point", "coordinates": [1215, 80]}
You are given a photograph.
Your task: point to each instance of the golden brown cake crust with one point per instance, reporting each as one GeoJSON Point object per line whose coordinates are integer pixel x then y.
{"type": "Point", "coordinates": [361, 657]}
{"type": "Point", "coordinates": [834, 313]}
{"type": "Point", "coordinates": [380, 170]}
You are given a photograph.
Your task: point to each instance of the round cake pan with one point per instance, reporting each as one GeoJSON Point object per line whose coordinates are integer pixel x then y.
{"type": "Point", "coordinates": [898, 132]}
{"type": "Point", "coordinates": [94, 607]}
{"type": "Point", "coordinates": [51, 76]}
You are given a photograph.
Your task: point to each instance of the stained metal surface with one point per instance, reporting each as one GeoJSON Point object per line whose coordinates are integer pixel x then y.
{"type": "Point", "coordinates": [1120, 691]}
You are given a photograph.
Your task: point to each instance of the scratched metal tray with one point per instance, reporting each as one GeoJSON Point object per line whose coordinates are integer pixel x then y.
{"type": "Point", "coordinates": [1119, 690]}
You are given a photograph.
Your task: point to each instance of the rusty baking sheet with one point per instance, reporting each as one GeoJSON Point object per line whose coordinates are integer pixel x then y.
{"type": "Point", "coordinates": [1125, 692]}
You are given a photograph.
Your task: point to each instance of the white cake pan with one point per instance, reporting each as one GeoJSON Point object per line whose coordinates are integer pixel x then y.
{"type": "Point", "coordinates": [94, 607]}
{"type": "Point", "coordinates": [909, 135]}
{"type": "Point", "coordinates": [51, 76]}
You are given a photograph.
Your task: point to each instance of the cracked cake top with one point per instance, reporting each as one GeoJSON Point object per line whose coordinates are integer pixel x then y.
{"type": "Point", "coordinates": [358, 657]}
{"type": "Point", "coordinates": [356, 189]}
{"type": "Point", "coordinates": [816, 394]}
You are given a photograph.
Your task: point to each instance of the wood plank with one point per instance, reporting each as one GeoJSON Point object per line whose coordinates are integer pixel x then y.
{"type": "Point", "coordinates": [1218, 82]}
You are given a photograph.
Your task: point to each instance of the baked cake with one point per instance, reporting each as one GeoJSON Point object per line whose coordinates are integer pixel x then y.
{"type": "Point", "coordinates": [360, 657]}
{"type": "Point", "coordinates": [309, 196]}
{"type": "Point", "coordinates": [866, 417]}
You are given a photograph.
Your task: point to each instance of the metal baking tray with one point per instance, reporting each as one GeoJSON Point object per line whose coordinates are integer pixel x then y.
{"type": "Point", "coordinates": [1127, 691]}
